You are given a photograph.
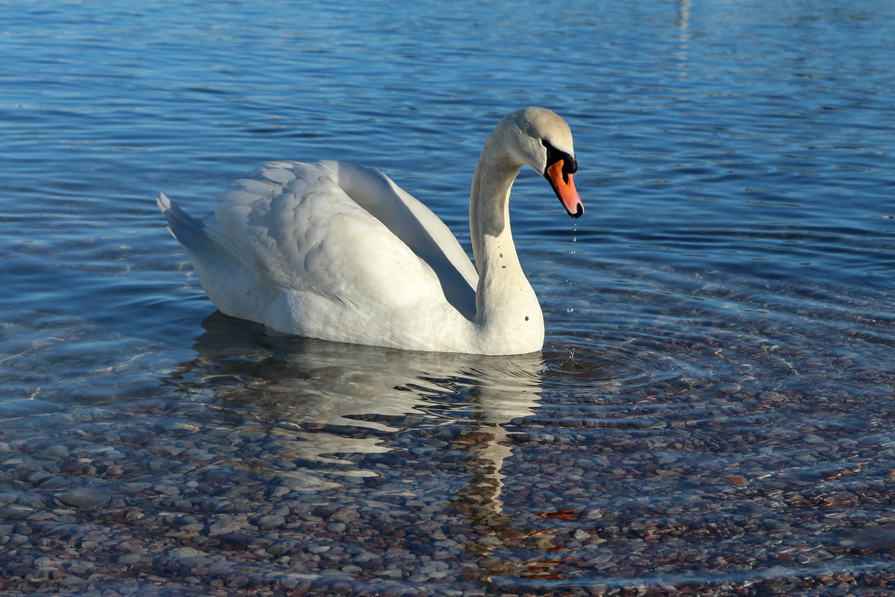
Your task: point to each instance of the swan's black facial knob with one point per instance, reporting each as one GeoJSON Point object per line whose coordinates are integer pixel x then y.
{"type": "Point", "coordinates": [570, 164]}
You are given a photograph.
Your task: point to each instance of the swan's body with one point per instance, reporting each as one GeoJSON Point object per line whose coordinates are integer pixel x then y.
{"type": "Point", "coordinates": [339, 252]}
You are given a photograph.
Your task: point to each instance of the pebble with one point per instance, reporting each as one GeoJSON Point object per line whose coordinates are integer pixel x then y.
{"type": "Point", "coordinates": [86, 497]}
{"type": "Point", "coordinates": [731, 388]}
{"type": "Point", "coordinates": [129, 558]}
{"type": "Point", "coordinates": [185, 552]}
{"type": "Point", "coordinates": [271, 521]}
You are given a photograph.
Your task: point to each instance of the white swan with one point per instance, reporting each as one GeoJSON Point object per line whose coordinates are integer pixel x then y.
{"type": "Point", "coordinates": [339, 252]}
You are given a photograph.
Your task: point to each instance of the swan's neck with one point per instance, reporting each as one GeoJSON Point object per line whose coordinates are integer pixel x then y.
{"type": "Point", "coordinates": [507, 310]}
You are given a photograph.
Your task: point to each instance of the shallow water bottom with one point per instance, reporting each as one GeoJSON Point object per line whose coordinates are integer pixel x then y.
{"type": "Point", "coordinates": [272, 465]}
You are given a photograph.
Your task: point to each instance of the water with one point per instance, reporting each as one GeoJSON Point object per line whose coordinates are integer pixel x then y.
{"type": "Point", "coordinates": [713, 408]}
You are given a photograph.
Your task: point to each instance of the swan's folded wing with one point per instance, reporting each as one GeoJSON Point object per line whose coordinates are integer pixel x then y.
{"type": "Point", "coordinates": [306, 234]}
{"type": "Point", "coordinates": [415, 225]}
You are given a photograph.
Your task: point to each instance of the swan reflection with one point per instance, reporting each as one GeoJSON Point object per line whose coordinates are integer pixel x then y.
{"type": "Point", "coordinates": [320, 407]}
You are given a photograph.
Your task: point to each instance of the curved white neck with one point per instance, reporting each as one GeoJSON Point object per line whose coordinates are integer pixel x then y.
{"type": "Point", "coordinates": [507, 310]}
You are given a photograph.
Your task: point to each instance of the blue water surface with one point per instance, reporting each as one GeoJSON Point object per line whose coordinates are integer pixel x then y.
{"type": "Point", "coordinates": [713, 408]}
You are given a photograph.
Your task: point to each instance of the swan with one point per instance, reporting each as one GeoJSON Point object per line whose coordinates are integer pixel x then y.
{"type": "Point", "coordinates": [339, 252]}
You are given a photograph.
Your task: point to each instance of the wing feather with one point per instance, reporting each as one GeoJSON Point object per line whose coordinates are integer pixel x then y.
{"type": "Point", "coordinates": [329, 245]}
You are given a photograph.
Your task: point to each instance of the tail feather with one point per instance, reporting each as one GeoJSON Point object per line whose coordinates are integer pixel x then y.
{"type": "Point", "coordinates": [218, 263]}
{"type": "Point", "coordinates": [187, 230]}
{"type": "Point", "coordinates": [207, 242]}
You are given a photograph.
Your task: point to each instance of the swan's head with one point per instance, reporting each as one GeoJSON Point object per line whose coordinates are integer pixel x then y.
{"type": "Point", "coordinates": [543, 140]}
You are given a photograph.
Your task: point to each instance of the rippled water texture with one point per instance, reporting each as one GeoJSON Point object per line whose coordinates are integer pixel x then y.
{"type": "Point", "coordinates": [713, 409]}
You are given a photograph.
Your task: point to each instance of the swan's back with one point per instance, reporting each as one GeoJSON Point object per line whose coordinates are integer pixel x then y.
{"type": "Point", "coordinates": [322, 249]}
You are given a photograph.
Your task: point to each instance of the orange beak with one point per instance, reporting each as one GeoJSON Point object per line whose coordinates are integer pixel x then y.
{"type": "Point", "coordinates": [564, 187]}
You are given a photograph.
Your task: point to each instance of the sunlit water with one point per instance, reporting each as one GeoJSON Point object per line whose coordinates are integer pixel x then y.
{"type": "Point", "coordinates": [713, 410]}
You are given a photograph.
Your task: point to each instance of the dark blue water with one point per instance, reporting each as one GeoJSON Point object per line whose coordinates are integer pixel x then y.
{"type": "Point", "coordinates": [713, 409]}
